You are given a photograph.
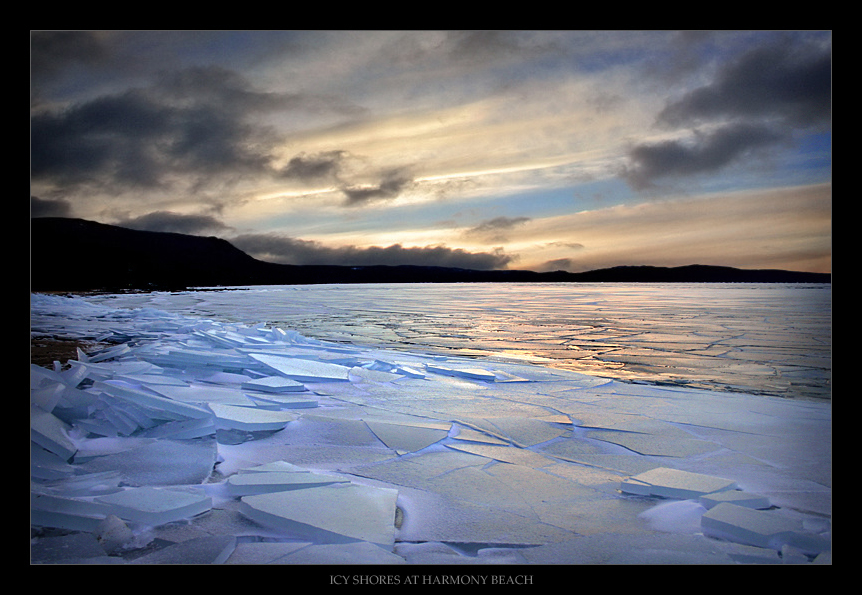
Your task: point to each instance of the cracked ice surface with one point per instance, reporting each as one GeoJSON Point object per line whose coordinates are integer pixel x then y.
{"type": "Point", "coordinates": [767, 339]}
{"type": "Point", "coordinates": [195, 440]}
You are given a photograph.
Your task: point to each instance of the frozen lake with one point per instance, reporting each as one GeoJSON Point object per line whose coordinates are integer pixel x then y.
{"type": "Point", "coordinates": [410, 425]}
{"type": "Point", "coordinates": [765, 339]}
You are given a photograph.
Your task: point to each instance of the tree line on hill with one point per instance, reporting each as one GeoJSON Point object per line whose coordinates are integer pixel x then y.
{"type": "Point", "coordinates": [78, 255]}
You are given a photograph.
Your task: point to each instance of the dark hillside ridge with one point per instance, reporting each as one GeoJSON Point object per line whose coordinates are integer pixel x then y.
{"type": "Point", "coordinates": [79, 255]}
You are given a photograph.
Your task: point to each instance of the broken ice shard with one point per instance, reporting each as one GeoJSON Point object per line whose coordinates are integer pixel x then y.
{"type": "Point", "coordinates": [760, 528]}
{"type": "Point", "coordinates": [155, 506]}
{"type": "Point", "coordinates": [736, 497]}
{"type": "Point", "coordinates": [168, 408]}
{"type": "Point", "coordinates": [247, 484]}
{"type": "Point", "coordinates": [160, 462]}
{"type": "Point", "coordinates": [47, 510]}
{"type": "Point", "coordinates": [408, 437]}
{"type": "Point", "coordinates": [250, 419]}
{"type": "Point", "coordinates": [331, 514]}
{"type": "Point", "coordinates": [303, 370]}
{"type": "Point", "coordinates": [471, 373]}
{"type": "Point", "coordinates": [282, 401]}
{"type": "Point", "coordinates": [202, 394]}
{"type": "Point", "coordinates": [673, 483]}
{"type": "Point", "coordinates": [273, 384]}
{"type": "Point", "coordinates": [51, 433]}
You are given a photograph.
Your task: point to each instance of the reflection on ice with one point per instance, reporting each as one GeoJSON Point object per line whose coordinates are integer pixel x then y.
{"type": "Point", "coordinates": [764, 339]}
{"type": "Point", "coordinates": [206, 441]}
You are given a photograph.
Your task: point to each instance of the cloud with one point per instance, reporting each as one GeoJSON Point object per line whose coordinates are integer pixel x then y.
{"type": "Point", "coordinates": [391, 186]}
{"type": "Point", "coordinates": [283, 130]}
{"type": "Point", "coordinates": [706, 153]}
{"type": "Point", "coordinates": [787, 79]}
{"type": "Point", "coordinates": [174, 222]}
{"type": "Point", "coordinates": [752, 103]}
{"type": "Point", "coordinates": [572, 245]}
{"type": "Point", "coordinates": [314, 167]}
{"type": "Point", "coordinates": [480, 47]}
{"type": "Point", "coordinates": [51, 52]}
{"type": "Point", "coordinates": [232, 92]}
{"type": "Point", "coordinates": [201, 123]}
{"type": "Point", "coordinates": [131, 140]}
{"type": "Point", "coordinates": [286, 250]}
{"type": "Point", "coordinates": [462, 53]}
{"type": "Point", "coordinates": [333, 166]}
{"type": "Point", "coordinates": [492, 230]}
{"type": "Point", "coordinates": [217, 86]}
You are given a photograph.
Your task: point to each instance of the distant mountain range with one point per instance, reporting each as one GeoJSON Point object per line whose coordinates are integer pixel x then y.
{"type": "Point", "coordinates": [79, 255]}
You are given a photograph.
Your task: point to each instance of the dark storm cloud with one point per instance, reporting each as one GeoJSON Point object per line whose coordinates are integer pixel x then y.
{"type": "Point", "coordinates": [328, 166]}
{"type": "Point", "coordinates": [314, 167]}
{"type": "Point", "coordinates": [210, 141]}
{"type": "Point", "coordinates": [287, 250]}
{"type": "Point", "coordinates": [197, 122]}
{"type": "Point", "coordinates": [787, 79]}
{"type": "Point", "coordinates": [175, 222]}
{"type": "Point", "coordinates": [216, 86]}
{"type": "Point", "coordinates": [133, 140]}
{"type": "Point", "coordinates": [53, 51]}
{"type": "Point", "coordinates": [708, 153]}
{"type": "Point", "coordinates": [391, 186]}
{"type": "Point", "coordinates": [108, 136]}
{"type": "Point", "coordinates": [753, 103]}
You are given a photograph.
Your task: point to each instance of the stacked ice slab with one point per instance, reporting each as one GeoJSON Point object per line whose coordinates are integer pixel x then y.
{"type": "Point", "coordinates": [132, 433]}
{"type": "Point", "coordinates": [730, 513]}
{"type": "Point", "coordinates": [195, 441]}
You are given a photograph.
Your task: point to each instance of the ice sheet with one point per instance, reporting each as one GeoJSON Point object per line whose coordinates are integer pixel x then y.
{"type": "Point", "coordinates": [336, 513]}
{"type": "Point", "coordinates": [263, 434]}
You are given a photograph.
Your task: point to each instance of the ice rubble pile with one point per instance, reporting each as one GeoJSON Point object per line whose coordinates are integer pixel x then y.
{"type": "Point", "coordinates": [194, 441]}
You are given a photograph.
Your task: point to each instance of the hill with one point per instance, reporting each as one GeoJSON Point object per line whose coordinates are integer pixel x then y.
{"type": "Point", "coordinates": [79, 255]}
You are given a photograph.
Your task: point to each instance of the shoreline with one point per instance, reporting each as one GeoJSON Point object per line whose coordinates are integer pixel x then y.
{"type": "Point", "coordinates": [620, 354]}
{"type": "Point", "coordinates": [44, 351]}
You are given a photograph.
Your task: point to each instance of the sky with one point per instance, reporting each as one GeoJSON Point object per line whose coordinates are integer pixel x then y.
{"type": "Point", "coordinates": [542, 150]}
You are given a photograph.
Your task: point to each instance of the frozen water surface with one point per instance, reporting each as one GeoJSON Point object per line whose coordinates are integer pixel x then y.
{"type": "Point", "coordinates": [768, 339]}
{"type": "Point", "coordinates": [423, 425]}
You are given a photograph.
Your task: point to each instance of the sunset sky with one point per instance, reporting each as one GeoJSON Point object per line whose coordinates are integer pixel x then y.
{"type": "Point", "coordinates": [542, 150]}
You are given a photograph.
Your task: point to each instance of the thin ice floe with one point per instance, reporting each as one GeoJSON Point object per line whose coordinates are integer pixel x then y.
{"type": "Point", "coordinates": [195, 441]}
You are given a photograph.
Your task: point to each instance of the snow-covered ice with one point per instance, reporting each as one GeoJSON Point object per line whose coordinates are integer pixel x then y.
{"type": "Point", "coordinates": [193, 440]}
